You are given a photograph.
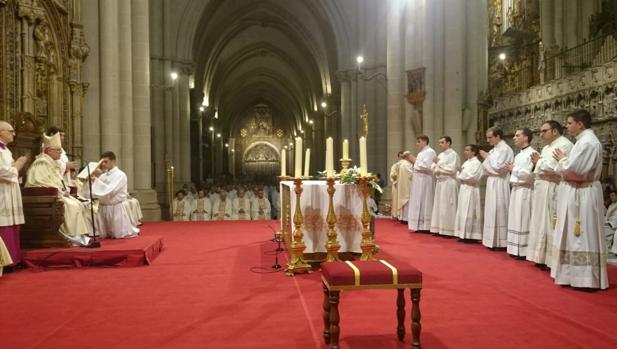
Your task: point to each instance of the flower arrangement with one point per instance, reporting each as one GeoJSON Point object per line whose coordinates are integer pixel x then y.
{"type": "Point", "coordinates": [351, 176]}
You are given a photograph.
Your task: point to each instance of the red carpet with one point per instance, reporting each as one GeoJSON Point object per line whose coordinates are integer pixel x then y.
{"type": "Point", "coordinates": [134, 252]}
{"type": "Point", "coordinates": [200, 293]}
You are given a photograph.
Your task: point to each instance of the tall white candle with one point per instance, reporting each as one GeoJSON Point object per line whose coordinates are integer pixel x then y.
{"type": "Point", "coordinates": [307, 162]}
{"type": "Point", "coordinates": [345, 149]}
{"type": "Point", "coordinates": [363, 162]}
{"type": "Point", "coordinates": [298, 159]}
{"type": "Point", "coordinates": [329, 157]}
{"type": "Point", "coordinates": [284, 162]}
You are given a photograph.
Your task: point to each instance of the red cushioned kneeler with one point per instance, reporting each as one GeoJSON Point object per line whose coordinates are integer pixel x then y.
{"type": "Point", "coordinates": [363, 275]}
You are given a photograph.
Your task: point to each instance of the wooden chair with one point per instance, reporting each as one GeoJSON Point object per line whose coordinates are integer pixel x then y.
{"type": "Point", "coordinates": [365, 275]}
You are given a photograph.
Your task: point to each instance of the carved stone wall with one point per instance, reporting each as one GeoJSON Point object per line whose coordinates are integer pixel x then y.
{"type": "Point", "coordinates": [42, 49]}
{"type": "Point", "coordinates": [594, 89]}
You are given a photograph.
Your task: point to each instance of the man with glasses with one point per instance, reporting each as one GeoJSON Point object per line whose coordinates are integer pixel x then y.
{"type": "Point", "coordinates": [11, 210]}
{"type": "Point", "coordinates": [546, 182]}
{"type": "Point", "coordinates": [45, 172]}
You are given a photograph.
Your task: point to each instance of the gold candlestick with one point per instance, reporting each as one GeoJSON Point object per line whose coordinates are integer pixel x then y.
{"type": "Point", "coordinates": [297, 263]}
{"type": "Point", "coordinates": [279, 234]}
{"type": "Point", "coordinates": [367, 245]}
{"type": "Point", "coordinates": [344, 166]}
{"type": "Point", "coordinates": [332, 246]}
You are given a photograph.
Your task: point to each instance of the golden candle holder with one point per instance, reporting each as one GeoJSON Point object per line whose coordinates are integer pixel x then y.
{"type": "Point", "coordinates": [297, 263]}
{"type": "Point", "coordinates": [332, 245]}
{"type": "Point", "coordinates": [171, 174]}
{"type": "Point", "coordinates": [367, 245]}
{"type": "Point", "coordinates": [279, 234]}
{"type": "Point", "coordinates": [344, 166]}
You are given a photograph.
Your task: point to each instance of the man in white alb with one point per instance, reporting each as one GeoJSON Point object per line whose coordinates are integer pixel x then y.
{"type": "Point", "coordinates": [422, 187]}
{"type": "Point", "coordinates": [403, 186]}
{"type": "Point", "coordinates": [182, 207]}
{"type": "Point", "coordinates": [494, 234]}
{"type": "Point", "coordinates": [521, 179]}
{"type": "Point", "coordinates": [109, 186]}
{"type": "Point", "coordinates": [544, 213]}
{"type": "Point", "coordinates": [394, 170]}
{"type": "Point", "coordinates": [580, 254]}
{"type": "Point", "coordinates": [469, 213]}
{"type": "Point", "coordinates": [446, 189]}
{"type": "Point", "coordinates": [202, 207]}
{"type": "Point", "coordinates": [260, 206]}
{"type": "Point", "coordinates": [610, 223]}
{"type": "Point", "coordinates": [241, 206]}
{"type": "Point", "coordinates": [221, 208]}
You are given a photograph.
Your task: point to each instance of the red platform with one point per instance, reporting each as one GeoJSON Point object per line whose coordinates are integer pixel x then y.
{"type": "Point", "coordinates": [133, 252]}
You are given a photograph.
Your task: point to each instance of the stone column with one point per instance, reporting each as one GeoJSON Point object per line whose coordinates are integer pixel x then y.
{"type": "Point", "coordinates": [183, 140]}
{"type": "Point", "coordinates": [125, 158]}
{"type": "Point", "coordinates": [572, 16]}
{"type": "Point", "coordinates": [547, 21]}
{"type": "Point", "coordinates": [141, 111]}
{"type": "Point", "coordinates": [110, 82]}
{"type": "Point", "coordinates": [454, 60]}
{"type": "Point", "coordinates": [558, 23]}
{"type": "Point", "coordinates": [396, 80]}
{"type": "Point", "coordinates": [428, 48]}
{"type": "Point", "coordinates": [345, 123]}
{"type": "Point", "coordinates": [477, 65]}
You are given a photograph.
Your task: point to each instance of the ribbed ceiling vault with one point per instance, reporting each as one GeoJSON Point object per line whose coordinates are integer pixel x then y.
{"type": "Point", "coordinates": [282, 53]}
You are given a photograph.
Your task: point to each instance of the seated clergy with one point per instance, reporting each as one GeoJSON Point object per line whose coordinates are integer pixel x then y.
{"type": "Point", "coordinates": [45, 172]}
{"type": "Point", "coordinates": [109, 186]}
{"type": "Point", "coordinates": [134, 209]}
{"type": "Point", "coordinates": [221, 209]}
{"type": "Point", "coordinates": [260, 206]}
{"type": "Point", "coordinates": [182, 207]}
{"type": "Point", "coordinates": [241, 206]}
{"type": "Point", "coordinates": [202, 207]}
{"type": "Point", "coordinates": [610, 223]}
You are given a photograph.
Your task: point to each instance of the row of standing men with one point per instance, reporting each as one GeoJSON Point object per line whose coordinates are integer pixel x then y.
{"type": "Point", "coordinates": [545, 207]}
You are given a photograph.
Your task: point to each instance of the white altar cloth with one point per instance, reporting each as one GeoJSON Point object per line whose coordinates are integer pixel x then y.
{"type": "Point", "coordinates": [314, 205]}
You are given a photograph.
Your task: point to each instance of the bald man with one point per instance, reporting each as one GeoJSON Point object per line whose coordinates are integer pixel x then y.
{"type": "Point", "coordinates": [11, 211]}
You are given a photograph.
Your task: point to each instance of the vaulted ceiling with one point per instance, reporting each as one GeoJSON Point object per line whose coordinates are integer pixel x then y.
{"type": "Point", "coordinates": [283, 53]}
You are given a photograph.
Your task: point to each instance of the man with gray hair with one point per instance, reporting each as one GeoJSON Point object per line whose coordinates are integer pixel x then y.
{"type": "Point", "coordinates": [11, 210]}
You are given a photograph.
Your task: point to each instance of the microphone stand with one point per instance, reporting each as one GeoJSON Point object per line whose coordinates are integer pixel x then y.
{"type": "Point", "coordinates": [95, 243]}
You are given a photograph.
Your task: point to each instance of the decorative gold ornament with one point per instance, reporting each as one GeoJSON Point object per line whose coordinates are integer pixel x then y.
{"type": "Point", "coordinates": [364, 118]}
{"type": "Point", "coordinates": [332, 246]}
{"type": "Point", "coordinates": [243, 132]}
{"type": "Point", "coordinates": [297, 263]}
{"type": "Point", "coordinates": [344, 166]}
{"type": "Point", "coordinates": [367, 245]}
{"type": "Point", "coordinates": [279, 132]}
{"type": "Point", "coordinates": [577, 228]}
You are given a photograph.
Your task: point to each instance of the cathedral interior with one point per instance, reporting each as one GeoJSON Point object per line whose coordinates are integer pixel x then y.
{"type": "Point", "coordinates": [221, 88]}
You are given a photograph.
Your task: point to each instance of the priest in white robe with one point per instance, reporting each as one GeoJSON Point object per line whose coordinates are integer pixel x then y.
{"type": "Point", "coordinates": [109, 186]}
{"type": "Point", "coordinates": [134, 209]}
{"type": "Point", "coordinates": [469, 214]}
{"type": "Point", "coordinates": [422, 187]}
{"type": "Point", "coordinates": [394, 171]}
{"type": "Point", "coordinates": [497, 197]}
{"type": "Point", "coordinates": [446, 189]}
{"type": "Point", "coordinates": [182, 207]}
{"type": "Point", "coordinates": [222, 208]}
{"type": "Point", "coordinates": [260, 206]}
{"type": "Point", "coordinates": [241, 206]}
{"type": "Point", "coordinates": [580, 254]}
{"type": "Point", "coordinates": [403, 186]}
{"type": "Point", "coordinates": [202, 207]}
{"type": "Point", "coordinates": [544, 212]}
{"type": "Point", "coordinates": [521, 179]}
{"type": "Point", "coordinates": [5, 256]}
{"type": "Point", "coordinates": [45, 172]}
{"type": "Point", "coordinates": [11, 210]}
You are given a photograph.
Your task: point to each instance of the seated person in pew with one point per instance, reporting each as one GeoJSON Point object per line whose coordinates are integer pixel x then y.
{"type": "Point", "coordinates": [241, 206]}
{"type": "Point", "coordinates": [45, 172]}
{"type": "Point", "coordinates": [260, 206]}
{"type": "Point", "coordinates": [182, 207]}
{"type": "Point", "coordinates": [221, 209]}
{"type": "Point", "coordinates": [202, 207]}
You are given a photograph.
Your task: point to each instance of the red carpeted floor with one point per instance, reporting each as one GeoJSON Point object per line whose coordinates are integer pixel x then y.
{"type": "Point", "coordinates": [200, 293]}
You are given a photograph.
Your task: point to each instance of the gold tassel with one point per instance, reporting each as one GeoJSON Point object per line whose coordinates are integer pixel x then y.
{"type": "Point", "coordinates": [577, 228]}
{"type": "Point", "coordinates": [554, 219]}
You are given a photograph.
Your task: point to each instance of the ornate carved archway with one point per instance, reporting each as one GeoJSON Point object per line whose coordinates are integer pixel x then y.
{"type": "Point", "coordinates": [261, 158]}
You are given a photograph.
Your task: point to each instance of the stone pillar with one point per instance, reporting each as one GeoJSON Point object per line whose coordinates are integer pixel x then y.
{"type": "Point", "coordinates": [572, 17]}
{"type": "Point", "coordinates": [453, 68]}
{"type": "Point", "coordinates": [558, 23]}
{"type": "Point", "coordinates": [428, 47]}
{"type": "Point", "coordinates": [125, 158]}
{"type": "Point", "coordinates": [345, 122]}
{"type": "Point", "coordinates": [477, 65]}
{"type": "Point", "coordinates": [183, 139]}
{"type": "Point", "coordinates": [110, 82]}
{"type": "Point", "coordinates": [141, 111]}
{"type": "Point", "coordinates": [396, 81]}
{"type": "Point", "coordinates": [547, 22]}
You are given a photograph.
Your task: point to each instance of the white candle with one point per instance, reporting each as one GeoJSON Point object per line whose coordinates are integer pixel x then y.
{"type": "Point", "coordinates": [284, 162]}
{"type": "Point", "coordinates": [329, 157]}
{"type": "Point", "coordinates": [363, 163]}
{"type": "Point", "coordinates": [298, 159]}
{"type": "Point", "coordinates": [345, 149]}
{"type": "Point", "coordinates": [307, 162]}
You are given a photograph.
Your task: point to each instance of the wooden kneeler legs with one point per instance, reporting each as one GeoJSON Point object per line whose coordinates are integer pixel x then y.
{"type": "Point", "coordinates": [331, 317]}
